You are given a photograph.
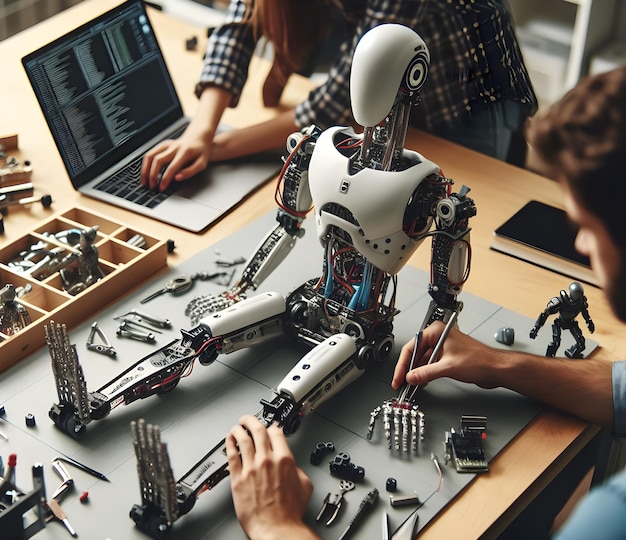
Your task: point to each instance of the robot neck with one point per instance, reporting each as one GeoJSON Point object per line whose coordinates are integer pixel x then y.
{"type": "Point", "coordinates": [383, 144]}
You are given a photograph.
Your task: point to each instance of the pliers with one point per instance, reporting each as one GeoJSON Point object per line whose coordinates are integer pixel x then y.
{"type": "Point", "coordinates": [333, 502]}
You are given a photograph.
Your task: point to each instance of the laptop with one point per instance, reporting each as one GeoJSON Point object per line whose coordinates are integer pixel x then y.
{"type": "Point", "coordinates": [108, 97]}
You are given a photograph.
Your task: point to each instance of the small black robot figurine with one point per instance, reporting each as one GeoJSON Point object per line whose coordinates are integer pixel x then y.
{"type": "Point", "coordinates": [568, 307]}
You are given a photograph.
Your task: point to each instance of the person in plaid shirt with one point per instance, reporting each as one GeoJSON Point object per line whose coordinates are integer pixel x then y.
{"type": "Point", "coordinates": [478, 92]}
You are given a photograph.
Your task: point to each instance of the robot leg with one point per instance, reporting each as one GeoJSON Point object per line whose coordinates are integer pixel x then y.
{"type": "Point", "coordinates": [576, 350]}
{"type": "Point", "coordinates": [554, 345]}
{"type": "Point", "coordinates": [327, 369]}
{"type": "Point", "coordinates": [242, 325]}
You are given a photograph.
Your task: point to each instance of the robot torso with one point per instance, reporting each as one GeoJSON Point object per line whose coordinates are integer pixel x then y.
{"type": "Point", "coordinates": [368, 205]}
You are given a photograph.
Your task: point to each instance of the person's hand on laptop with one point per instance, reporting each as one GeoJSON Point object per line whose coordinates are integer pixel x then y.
{"type": "Point", "coordinates": [177, 160]}
{"type": "Point", "coordinates": [180, 159]}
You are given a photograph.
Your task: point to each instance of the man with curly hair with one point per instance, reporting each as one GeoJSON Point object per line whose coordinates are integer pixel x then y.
{"type": "Point", "coordinates": [581, 142]}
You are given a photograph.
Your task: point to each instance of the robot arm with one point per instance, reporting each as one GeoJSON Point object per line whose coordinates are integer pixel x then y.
{"type": "Point", "coordinates": [541, 320]}
{"type": "Point", "coordinates": [322, 373]}
{"type": "Point", "coordinates": [554, 305]}
{"type": "Point", "coordinates": [585, 312]}
{"type": "Point", "coordinates": [590, 324]}
{"type": "Point", "coordinates": [450, 255]}
{"type": "Point", "coordinates": [294, 202]}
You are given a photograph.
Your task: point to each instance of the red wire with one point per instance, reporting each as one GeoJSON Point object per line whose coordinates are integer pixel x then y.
{"type": "Point", "coordinates": [280, 180]}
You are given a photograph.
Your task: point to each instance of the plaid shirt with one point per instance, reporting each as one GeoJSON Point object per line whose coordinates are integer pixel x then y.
{"type": "Point", "coordinates": [475, 59]}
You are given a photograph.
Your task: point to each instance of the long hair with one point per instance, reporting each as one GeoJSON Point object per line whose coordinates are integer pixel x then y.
{"type": "Point", "coordinates": [294, 27]}
{"type": "Point", "coordinates": [582, 139]}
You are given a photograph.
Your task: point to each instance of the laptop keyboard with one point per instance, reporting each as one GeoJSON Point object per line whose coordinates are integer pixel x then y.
{"type": "Point", "coordinates": [126, 184]}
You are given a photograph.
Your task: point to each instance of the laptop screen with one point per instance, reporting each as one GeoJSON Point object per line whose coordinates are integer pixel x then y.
{"type": "Point", "coordinates": [104, 89]}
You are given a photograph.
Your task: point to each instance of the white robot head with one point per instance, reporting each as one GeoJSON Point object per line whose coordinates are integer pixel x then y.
{"type": "Point", "coordinates": [389, 58]}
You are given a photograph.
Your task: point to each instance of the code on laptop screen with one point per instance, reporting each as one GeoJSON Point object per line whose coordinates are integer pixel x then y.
{"type": "Point", "coordinates": [103, 87]}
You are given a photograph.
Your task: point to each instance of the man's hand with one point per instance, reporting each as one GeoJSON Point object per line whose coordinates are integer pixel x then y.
{"type": "Point", "coordinates": [270, 492]}
{"type": "Point", "coordinates": [462, 358]}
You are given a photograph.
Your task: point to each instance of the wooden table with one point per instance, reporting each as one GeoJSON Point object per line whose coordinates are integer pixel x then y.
{"type": "Point", "coordinates": [533, 459]}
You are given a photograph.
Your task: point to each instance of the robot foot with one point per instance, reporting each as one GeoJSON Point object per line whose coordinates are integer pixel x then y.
{"type": "Point", "coordinates": [551, 350]}
{"type": "Point", "coordinates": [66, 418]}
{"type": "Point", "coordinates": [574, 352]}
{"type": "Point", "coordinates": [151, 520]}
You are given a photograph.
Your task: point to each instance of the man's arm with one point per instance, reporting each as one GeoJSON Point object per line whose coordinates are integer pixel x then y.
{"type": "Point", "coordinates": [581, 387]}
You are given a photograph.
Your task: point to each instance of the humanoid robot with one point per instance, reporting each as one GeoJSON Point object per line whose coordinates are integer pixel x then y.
{"type": "Point", "coordinates": [375, 203]}
{"type": "Point", "coordinates": [78, 269]}
{"type": "Point", "coordinates": [567, 306]}
{"type": "Point", "coordinates": [81, 270]}
{"type": "Point", "coordinates": [13, 315]}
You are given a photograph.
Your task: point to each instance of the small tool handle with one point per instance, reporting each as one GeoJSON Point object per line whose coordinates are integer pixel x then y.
{"type": "Point", "coordinates": [60, 515]}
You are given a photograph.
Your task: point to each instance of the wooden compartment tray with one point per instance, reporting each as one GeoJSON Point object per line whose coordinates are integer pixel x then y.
{"type": "Point", "coordinates": [123, 262]}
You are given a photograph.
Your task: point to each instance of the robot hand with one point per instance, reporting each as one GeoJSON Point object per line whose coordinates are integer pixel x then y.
{"type": "Point", "coordinates": [534, 332]}
{"type": "Point", "coordinates": [201, 306]}
{"type": "Point", "coordinates": [591, 326]}
{"type": "Point", "coordinates": [294, 201]}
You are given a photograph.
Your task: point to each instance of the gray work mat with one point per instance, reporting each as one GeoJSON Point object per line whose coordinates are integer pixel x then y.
{"type": "Point", "coordinates": [204, 406]}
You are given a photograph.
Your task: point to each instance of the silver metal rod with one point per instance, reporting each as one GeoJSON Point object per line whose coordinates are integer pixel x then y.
{"type": "Point", "coordinates": [437, 350]}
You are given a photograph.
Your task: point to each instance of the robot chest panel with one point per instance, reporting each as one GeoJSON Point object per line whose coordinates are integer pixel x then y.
{"type": "Point", "coordinates": [373, 201]}
{"type": "Point", "coordinates": [568, 312]}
